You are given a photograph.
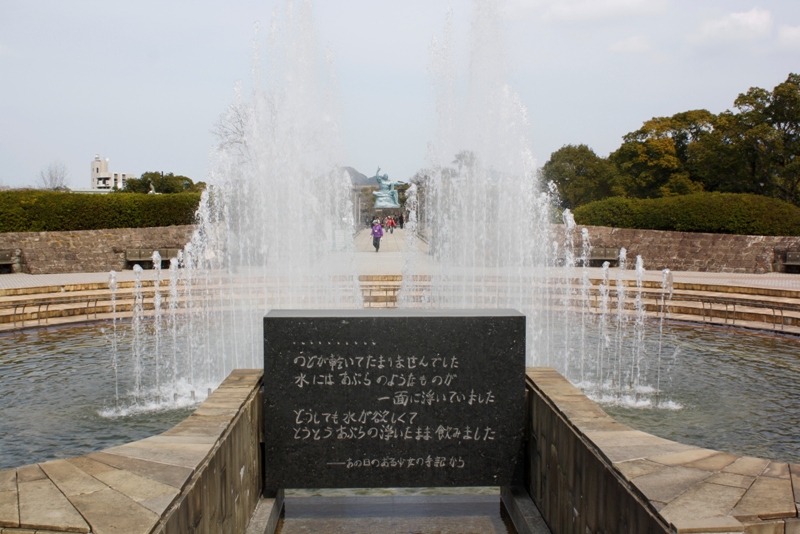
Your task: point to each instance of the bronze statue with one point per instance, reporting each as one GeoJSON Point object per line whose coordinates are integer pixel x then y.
{"type": "Point", "coordinates": [386, 195]}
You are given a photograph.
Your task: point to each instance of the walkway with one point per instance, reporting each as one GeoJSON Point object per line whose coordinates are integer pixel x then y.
{"type": "Point", "coordinates": [392, 258]}
{"type": "Point", "coordinates": [764, 302]}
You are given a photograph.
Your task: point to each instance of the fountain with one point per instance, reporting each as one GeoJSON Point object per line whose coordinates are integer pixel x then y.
{"type": "Point", "coordinates": [481, 176]}
{"type": "Point", "coordinates": [273, 228]}
{"type": "Point", "coordinates": [275, 225]}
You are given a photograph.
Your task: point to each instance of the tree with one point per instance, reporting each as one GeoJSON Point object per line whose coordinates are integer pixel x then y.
{"type": "Point", "coordinates": [231, 128]}
{"type": "Point", "coordinates": [54, 177]}
{"type": "Point", "coordinates": [783, 114]}
{"type": "Point", "coordinates": [581, 176]}
{"type": "Point", "coordinates": [465, 158]}
{"type": "Point", "coordinates": [655, 158]}
{"type": "Point", "coordinates": [733, 158]}
{"type": "Point", "coordinates": [753, 149]}
{"type": "Point", "coordinates": [163, 183]}
{"type": "Point", "coordinates": [757, 148]}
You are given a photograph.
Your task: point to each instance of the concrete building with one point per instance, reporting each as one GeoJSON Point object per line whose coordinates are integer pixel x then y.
{"type": "Point", "coordinates": [102, 179]}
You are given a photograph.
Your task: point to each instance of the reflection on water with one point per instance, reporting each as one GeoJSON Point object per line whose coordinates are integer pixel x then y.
{"type": "Point", "coordinates": [722, 389]}
{"type": "Point", "coordinates": [55, 385]}
{"type": "Point", "coordinates": [737, 391]}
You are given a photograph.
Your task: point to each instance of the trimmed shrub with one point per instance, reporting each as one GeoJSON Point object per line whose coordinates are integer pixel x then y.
{"type": "Point", "coordinates": [31, 210]}
{"type": "Point", "coordinates": [716, 213]}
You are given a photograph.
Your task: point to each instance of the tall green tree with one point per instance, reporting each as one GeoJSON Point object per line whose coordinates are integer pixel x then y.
{"type": "Point", "coordinates": [783, 114]}
{"type": "Point", "coordinates": [581, 176]}
{"type": "Point", "coordinates": [163, 183]}
{"type": "Point", "coordinates": [654, 160]}
{"type": "Point", "coordinates": [755, 149]}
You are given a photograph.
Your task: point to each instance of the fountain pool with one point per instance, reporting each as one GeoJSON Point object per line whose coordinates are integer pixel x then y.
{"type": "Point", "coordinates": [57, 396]}
{"type": "Point", "coordinates": [274, 231]}
{"type": "Point", "coordinates": [725, 390]}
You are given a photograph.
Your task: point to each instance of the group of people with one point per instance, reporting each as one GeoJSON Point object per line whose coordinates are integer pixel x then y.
{"type": "Point", "coordinates": [382, 225]}
{"type": "Point", "coordinates": [397, 221]}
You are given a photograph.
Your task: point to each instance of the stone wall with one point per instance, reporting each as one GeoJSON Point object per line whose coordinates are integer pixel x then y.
{"type": "Point", "coordinates": [104, 250]}
{"type": "Point", "coordinates": [689, 251]}
{"type": "Point", "coordinates": [86, 250]}
{"type": "Point", "coordinates": [588, 474]}
{"type": "Point", "coordinates": [572, 485]}
{"type": "Point", "coordinates": [224, 490]}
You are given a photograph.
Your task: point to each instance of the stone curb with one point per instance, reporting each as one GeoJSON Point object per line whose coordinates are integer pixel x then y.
{"type": "Point", "coordinates": [154, 484]}
{"type": "Point", "coordinates": [693, 490]}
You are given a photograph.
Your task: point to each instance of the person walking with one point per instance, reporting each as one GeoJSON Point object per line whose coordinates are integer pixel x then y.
{"type": "Point", "coordinates": [402, 221]}
{"type": "Point", "coordinates": [391, 224]}
{"type": "Point", "coordinates": [377, 234]}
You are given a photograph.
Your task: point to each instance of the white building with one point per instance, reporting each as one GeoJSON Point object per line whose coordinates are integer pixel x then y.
{"type": "Point", "coordinates": [103, 179]}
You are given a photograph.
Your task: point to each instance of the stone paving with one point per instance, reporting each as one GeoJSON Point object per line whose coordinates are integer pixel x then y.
{"type": "Point", "coordinates": [144, 486]}
{"type": "Point", "coordinates": [693, 489]}
{"type": "Point", "coordinates": [440, 514]}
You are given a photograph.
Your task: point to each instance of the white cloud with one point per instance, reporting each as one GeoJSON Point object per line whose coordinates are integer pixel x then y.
{"type": "Point", "coordinates": [789, 37]}
{"type": "Point", "coordinates": [745, 26]}
{"type": "Point", "coordinates": [583, 10]}
{"type": "Point", "coordinates": [635, 44]}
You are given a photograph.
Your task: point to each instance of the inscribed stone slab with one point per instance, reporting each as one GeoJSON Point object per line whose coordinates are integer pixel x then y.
{"type": "Point", "coordinates": [384, 398]}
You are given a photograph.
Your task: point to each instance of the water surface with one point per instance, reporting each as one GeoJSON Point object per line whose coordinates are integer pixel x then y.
{"type": "Point", "coordinates": [57, 397]}
{"type": "Point", "coordinates": [723, 389]}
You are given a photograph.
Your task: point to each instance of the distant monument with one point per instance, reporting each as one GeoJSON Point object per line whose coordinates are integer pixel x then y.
{"type": "Point", "coordinates": [386, 195]}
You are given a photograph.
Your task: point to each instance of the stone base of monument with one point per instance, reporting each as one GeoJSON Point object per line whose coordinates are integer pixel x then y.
{"type": "Point", "coordinates": [395, 399]}
{"type": "Point", "coordinates": [460, 510]}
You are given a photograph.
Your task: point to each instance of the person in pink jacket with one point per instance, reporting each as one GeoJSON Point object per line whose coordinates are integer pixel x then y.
{"type": "Point", "coordinates": [377, 234]}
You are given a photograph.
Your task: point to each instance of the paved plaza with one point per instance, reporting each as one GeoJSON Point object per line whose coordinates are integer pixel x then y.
{"type": "Point", "coordinates": [394, 252]}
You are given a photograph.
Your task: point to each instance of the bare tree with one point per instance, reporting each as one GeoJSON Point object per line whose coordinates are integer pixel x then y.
{"type": "Point", "coordinates": [54, 177]}
{"type": "Point", "coordinates": [231, 128]}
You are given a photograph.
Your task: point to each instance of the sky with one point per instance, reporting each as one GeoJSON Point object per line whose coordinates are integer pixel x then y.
{"type": "Point", "coordinates": [143, 82]}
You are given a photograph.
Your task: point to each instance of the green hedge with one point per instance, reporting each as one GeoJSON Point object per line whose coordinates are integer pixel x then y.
{"type": "Point", "coordinates": [717, 213]}
{"type": "Point", "coordinates": [33, 210]}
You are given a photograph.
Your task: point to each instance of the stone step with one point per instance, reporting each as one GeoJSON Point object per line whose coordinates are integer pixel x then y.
{"type": "Point", "coordinates": [82, 302]}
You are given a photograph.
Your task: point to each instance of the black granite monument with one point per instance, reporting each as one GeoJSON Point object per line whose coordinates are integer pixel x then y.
{"type": "Point", "coordinates": [358, 398]}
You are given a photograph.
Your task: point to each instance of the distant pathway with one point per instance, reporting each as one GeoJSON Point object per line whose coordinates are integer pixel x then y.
{"type": "Point", "coordinates": [392, 258]}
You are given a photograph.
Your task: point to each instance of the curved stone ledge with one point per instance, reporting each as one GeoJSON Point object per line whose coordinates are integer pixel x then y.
{"type": "Point", "coordinates": [586, 473]}
{"type": "Point", "coordinates": [590, 473]}
{"type": "Point", "coordinates": [202, 475]}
